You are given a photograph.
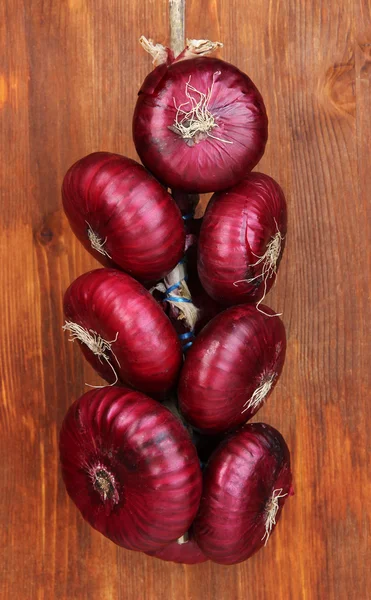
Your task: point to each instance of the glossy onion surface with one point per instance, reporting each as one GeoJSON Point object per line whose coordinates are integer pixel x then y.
{"type": "Point", "coordinates": [130, 467]}
{"type": "Point", "coordinates": [242, 240]}
{"type": "Point", "coordinates": [147, 353]}
{"type": "Point", "coordinates": [203, 163]}
{"type": "Point", "coordinates": [246, 482]}
{"type": "Point", "coordinates": [136, 222]}
{"type": "Point", "coordinates": [231, 368]}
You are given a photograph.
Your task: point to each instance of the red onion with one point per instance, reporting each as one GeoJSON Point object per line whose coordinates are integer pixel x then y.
{"type": "Point", "coordinates": [199, 124]}
{"type": "Point", "coordinates": [130, 467]}
{"type": "Point", "coordinates": [207, 306]}
{"type": "Point", "coordinates": [123, 332]}
{"type": "Point", "coordinates": [123, 216]}
{"type": "Point", "coordinates": [246, 484]}
{"type": "Point", "coordinates": [231, 368]}
{"type": "Point", "coordinates": [184, 551]}
{"type": "Point", "coordinates": [242, 239]}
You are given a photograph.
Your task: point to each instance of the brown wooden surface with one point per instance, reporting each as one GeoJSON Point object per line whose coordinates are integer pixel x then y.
{"type": "Point", "coordinates": [69, 72]}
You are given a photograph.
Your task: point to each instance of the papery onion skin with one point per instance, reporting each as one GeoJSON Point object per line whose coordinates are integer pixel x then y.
{"type": "Point", "coordinates": [188, 553]}
{"type": "Point", "coordinates": [112, 304]}
{"type": "Point", "coordinates": [209, 165]}
{"type": "Point", "coordinates": [137, 221]}
{"type": "Point", "coordinates": [237, 227]}
{"type": "Point", "coordinates": [231, 357]}
{"type": "Point", "coordinates": [207, 306]}
{"type": "Point", "coordinates": [239, 481]}
{"type": "Point", "coordinates": [151, 461]}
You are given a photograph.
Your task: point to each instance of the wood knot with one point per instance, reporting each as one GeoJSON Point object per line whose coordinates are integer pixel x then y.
{"type": "Point", "coordinates": [49, 232]}
{"type": "Point", "coordinates": [46, 236]}
{"type": "Point", "coordinates": [340, 87]}
{"type": "Point", "coordinates": [365, 70]}
{"type": "Point", "coordinates": [366, 50]}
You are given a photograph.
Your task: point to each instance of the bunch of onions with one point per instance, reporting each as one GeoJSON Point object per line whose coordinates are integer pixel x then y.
{"type": "Point", "coordinates": [162, 459]}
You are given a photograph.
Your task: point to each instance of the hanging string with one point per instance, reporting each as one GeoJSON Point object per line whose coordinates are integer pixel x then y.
{"type": "Point", "coordinates": [169, 297]}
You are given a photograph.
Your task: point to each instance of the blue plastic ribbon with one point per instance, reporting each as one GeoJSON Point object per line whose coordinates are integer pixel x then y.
{"type": "Point", "coordinates": [178, 299]}
{"type": "Point", "coordinates": [187, 217]}
{"type": "Point", "coordinates": [189, 335]}
{"type": "Point", "coordinates": [187, 346]}
{"type": "Point", "coordinates": [186, 336]}
{"type": "Point", "coordinates": [174, 287]}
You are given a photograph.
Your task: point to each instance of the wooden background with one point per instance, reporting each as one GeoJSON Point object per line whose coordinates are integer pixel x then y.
{"type": "Point", "coordinates": [69, 72]}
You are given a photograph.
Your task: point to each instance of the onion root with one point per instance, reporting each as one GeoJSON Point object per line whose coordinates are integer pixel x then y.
{"type": "Point", "coordinates": [96, 242]}
{"type": "Point", "coordinates": [269, 264]}
{"type": "Point", "coordinates": [271, 513]}
{"type": "Point", "coordinates": [260, 393]}
{"type": "Point", "coordinates": [195, 123]}
{"type": "Point", "coordinates": [96, 344]}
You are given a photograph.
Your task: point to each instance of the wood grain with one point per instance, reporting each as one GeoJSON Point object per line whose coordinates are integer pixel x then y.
{"type": "Point", "coordinates": [69, 72]}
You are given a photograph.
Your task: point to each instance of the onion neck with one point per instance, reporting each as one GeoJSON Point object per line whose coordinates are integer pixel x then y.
{"type": "Point", "coordinates": [186, 202]}
{"type": "Point", "coordinates": [184, 539]}
{"type": "Point", "coordinates": [196, 48]}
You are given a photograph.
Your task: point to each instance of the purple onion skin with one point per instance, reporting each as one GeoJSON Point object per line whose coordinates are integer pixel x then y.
{"type": "Point", "coordinates": [238, 225]}
{"type": "Point", "coordinates": [207, 306]}
{"type": "Point", "coordinates": [189, 553]}
{"type": "Point", "coordinates": [131, 212]}
{"type": "Point", "coordinates": [209, 165]}
{"type": "Point", "coordinates": [238, 350]}
{"type": "Point", "coordinates": [147, 348]}
{"type": "Point", "coordinates": [239, 481]}
{"type": "Point", "coordinates": [152, 464]}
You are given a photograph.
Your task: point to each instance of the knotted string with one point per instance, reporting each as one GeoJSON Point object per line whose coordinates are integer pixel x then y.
{"type": "Point", "coordinates": [168, 296]}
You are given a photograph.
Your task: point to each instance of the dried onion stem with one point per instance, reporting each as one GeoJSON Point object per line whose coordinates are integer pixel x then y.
{"type": "Point", "coordinates": [180, 297]}
{"type": "Point", "coordinates": [183, 538]}
{"type": "Point", "coordinates": [158, 52]}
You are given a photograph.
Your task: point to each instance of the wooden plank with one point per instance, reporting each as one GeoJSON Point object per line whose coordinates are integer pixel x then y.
{"type": "Point", "coordinates": [302, 58]}
{"type": "Point", "coordinates": [69, 72]}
